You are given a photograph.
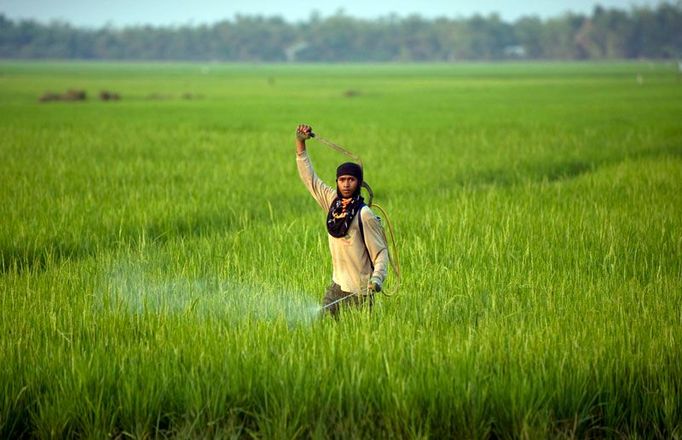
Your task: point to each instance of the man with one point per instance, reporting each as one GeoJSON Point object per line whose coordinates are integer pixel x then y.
{"type": "Point", "coordinates": [356, 239]}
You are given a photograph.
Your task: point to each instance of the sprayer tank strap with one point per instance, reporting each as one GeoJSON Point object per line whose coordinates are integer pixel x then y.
{"type": "Point", "coordinates": [362, 236]}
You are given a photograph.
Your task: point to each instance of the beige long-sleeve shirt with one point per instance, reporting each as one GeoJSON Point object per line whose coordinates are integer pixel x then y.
{"type": "Point", "coordinates": [352, 265]}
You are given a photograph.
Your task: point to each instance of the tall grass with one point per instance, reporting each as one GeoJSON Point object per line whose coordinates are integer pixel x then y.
{"type": "Point", "coordinates": [161, 264]}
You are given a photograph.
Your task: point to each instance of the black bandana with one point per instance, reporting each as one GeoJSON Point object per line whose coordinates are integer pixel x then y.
{"type": "Point", "coordinates": [350, 169]}
{"type": "Point", "coordinates": [340, 217]}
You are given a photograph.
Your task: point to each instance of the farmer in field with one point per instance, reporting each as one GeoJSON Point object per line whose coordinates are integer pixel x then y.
{"type": "Point", "coordinates": [356, 239]}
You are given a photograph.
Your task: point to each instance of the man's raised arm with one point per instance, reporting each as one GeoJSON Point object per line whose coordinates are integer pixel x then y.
{"type": "Point", "coordinates": [322, 193]}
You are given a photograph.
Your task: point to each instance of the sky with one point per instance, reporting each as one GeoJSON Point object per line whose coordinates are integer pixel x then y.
{"type": "Point", "coordinates": [97, 13]}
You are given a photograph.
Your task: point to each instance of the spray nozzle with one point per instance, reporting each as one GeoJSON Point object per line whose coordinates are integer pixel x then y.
{"type": "Point", "coordinates": [311, 134]}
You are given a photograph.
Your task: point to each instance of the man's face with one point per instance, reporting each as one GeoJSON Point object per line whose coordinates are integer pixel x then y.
{"type": "Point", "coordinates": [347, 185]}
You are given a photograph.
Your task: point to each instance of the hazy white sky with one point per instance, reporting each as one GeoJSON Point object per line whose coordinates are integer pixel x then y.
{"type": "Point", "coordinates": [165, 12]}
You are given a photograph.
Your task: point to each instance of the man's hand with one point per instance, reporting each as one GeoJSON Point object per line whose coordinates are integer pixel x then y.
{"type": "Point", "coordinates": [374, 285]}
{"type": "Point", "coordinates": [303, 132]}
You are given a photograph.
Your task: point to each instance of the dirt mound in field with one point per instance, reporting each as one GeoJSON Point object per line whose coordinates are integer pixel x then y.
{"type": "Point", "coordinates": [69, 95]}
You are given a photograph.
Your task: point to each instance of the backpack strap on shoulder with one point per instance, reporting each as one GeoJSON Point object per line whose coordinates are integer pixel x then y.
{"type": "Point", "coordinates": [362, 235]}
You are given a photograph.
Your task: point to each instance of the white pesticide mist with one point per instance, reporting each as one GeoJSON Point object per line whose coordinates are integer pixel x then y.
{"type": "Point", "coordinates": [127, 287]}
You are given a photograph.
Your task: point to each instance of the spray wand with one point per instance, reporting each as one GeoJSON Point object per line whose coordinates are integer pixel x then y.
{"type": "Point", "coordinates": [337, 301]}
{"type": "Point", "coordinates": [341, 299]}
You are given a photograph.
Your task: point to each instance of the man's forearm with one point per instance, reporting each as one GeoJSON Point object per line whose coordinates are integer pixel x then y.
{"type": "Point", "coordinates": [381, 262]}
{"type": "Point", "coordinates": [300, 146]}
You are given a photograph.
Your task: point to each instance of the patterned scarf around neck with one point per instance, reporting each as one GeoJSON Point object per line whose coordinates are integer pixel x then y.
{"type": "Point", "coordinates": [341, 214]}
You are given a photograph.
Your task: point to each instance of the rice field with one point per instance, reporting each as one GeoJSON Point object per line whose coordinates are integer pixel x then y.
{"type": "Point", "coordinates": [161, 264]}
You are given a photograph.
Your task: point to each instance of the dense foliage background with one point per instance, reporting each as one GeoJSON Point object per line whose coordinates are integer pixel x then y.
{"type": "Point", "coordinates": [639, 32]}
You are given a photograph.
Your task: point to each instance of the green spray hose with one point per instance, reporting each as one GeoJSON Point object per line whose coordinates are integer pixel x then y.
{"type": "Point", "coordinates": [395, 262]}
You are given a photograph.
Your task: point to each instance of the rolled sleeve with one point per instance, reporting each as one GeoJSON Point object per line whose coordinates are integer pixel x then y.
{"type": "Point", "coordinates": [322, 193]}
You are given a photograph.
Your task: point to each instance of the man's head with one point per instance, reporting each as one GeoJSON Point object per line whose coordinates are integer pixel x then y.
{"type": "Point", "coordinates": [348, 179]}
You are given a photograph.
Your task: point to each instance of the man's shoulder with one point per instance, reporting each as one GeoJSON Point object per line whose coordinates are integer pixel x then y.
{"type": "Point", "coordinates": [368, 215]}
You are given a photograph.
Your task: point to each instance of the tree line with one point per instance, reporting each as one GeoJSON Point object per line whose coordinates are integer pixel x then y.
{"type": "Point", "coordinates": [606, 33]}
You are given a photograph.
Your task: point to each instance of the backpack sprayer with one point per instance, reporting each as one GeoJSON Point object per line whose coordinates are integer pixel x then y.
{"type": "Point", "coordinates": [395, 263]}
